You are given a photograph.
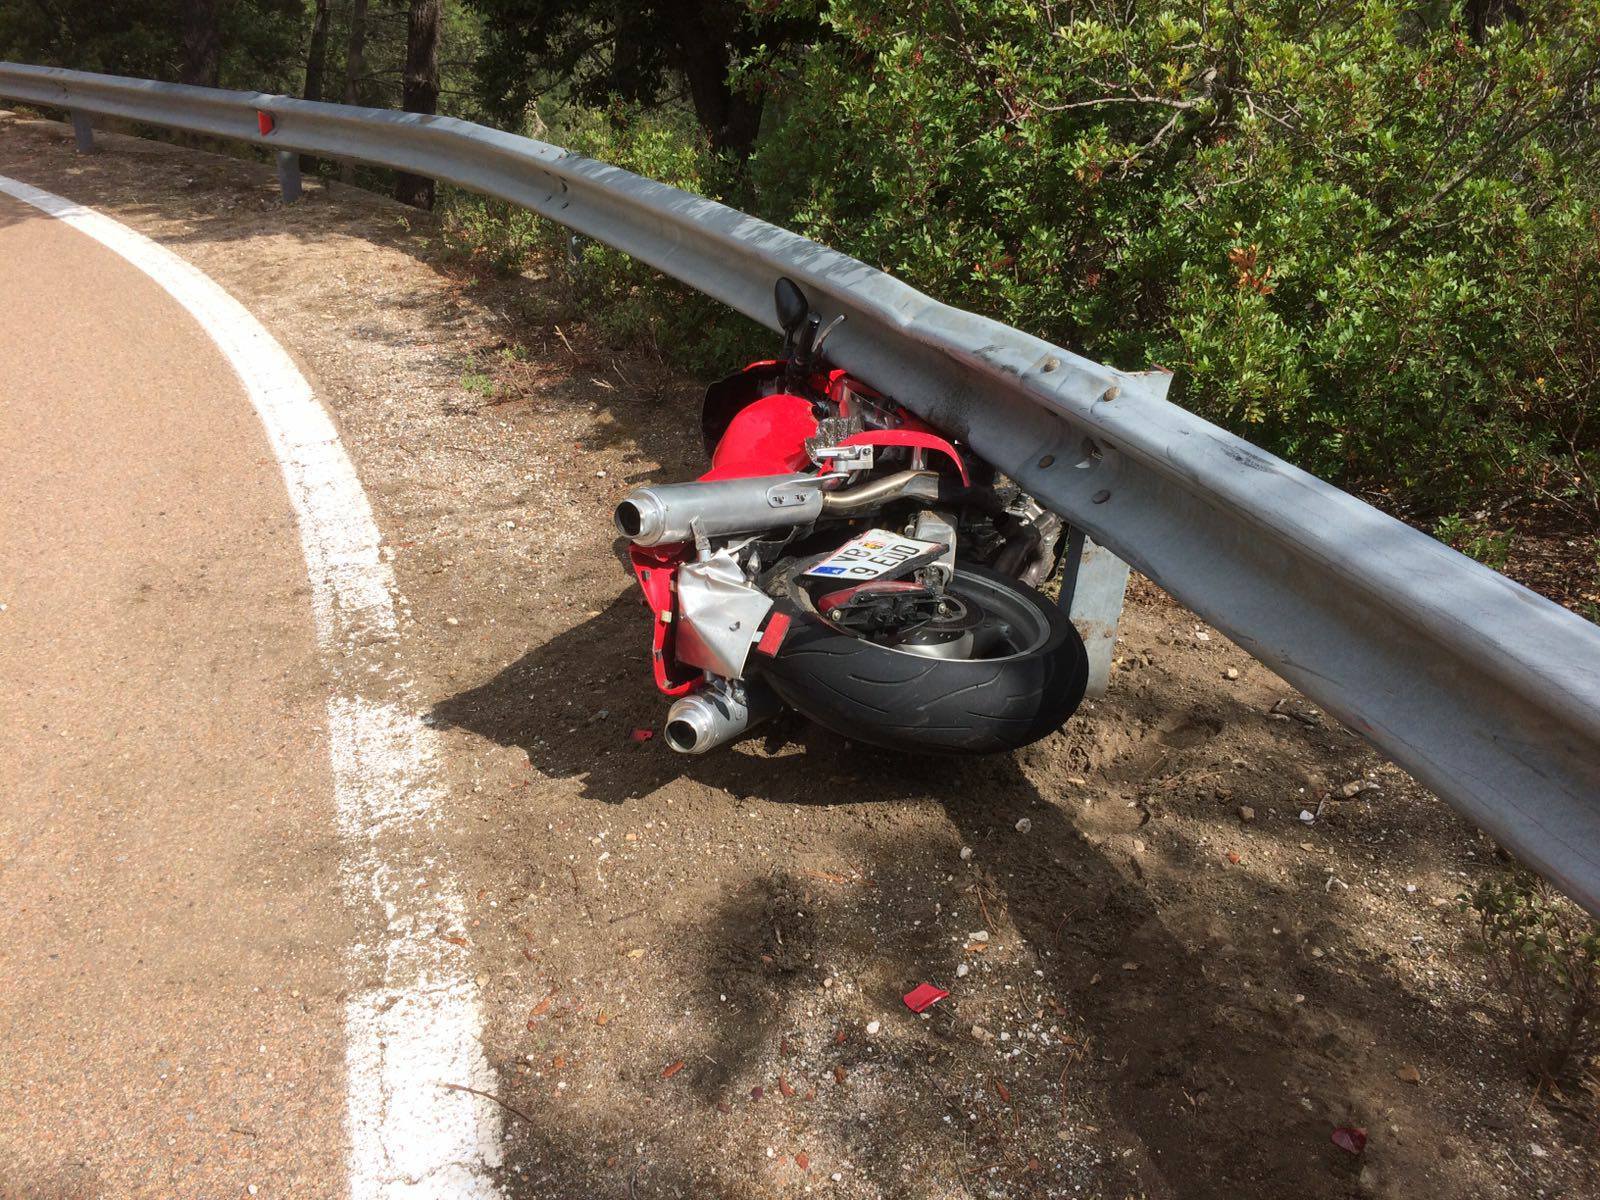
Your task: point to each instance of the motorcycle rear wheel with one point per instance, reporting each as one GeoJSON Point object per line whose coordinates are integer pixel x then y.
{"type": "Point", "coordinates": [1024, 677]}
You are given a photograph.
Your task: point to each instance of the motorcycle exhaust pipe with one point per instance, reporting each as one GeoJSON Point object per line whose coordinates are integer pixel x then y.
{"type": "Point", "coordinates": [714, 717]}
{"type": "Point", "coordinates": [662, 515]}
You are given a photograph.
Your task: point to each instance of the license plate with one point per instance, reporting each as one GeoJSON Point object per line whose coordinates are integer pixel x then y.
{"type": "Point", "coordinates": [877, 553]}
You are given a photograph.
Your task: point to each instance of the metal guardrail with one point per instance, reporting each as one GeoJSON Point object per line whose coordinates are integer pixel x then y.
{"type": "Point", "coordinates": [1484, 691]}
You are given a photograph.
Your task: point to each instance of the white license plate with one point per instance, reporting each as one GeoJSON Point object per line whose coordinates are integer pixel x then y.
{"type": "Point", "coordinates": [872, 554]}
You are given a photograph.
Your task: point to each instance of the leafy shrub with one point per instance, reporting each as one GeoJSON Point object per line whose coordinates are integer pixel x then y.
{"type": "Point", "coordinates": [1543, 954]}
{"type": "Point", "coordinates": [1365, 234]}
{"type": "Point", "coordinates": [629, 301]}
{"type": "Point", "coordinates": [1488, 546]}
{"type": "Point", "coordinates": [501, 236]}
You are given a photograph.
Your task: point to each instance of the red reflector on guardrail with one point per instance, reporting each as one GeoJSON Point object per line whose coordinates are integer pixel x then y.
{"type": "Point", "coordinates": [266, 122]}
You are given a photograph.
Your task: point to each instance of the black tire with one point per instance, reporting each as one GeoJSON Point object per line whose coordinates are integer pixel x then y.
{"type": "Point", "coordinates": [902, 700]}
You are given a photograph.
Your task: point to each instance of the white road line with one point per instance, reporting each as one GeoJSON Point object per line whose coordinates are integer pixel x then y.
{"type": "Point", "coordinates": [413, 1021]}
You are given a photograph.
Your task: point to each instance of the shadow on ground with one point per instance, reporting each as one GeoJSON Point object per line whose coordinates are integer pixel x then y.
{"type": "Point", "coordinates": [1161, 1046]}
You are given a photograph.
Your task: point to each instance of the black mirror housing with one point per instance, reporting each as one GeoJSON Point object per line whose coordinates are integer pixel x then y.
{"type": "Point", "coordinates": [792, 306]}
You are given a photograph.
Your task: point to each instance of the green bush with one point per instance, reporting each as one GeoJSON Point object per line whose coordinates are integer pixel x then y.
{"type": "Point", "coordinates": [1488, 546]}
{"type": "Point", "coordinates": [1543, 954]}
{"type": "Point", "coordinates": [1362, 236]}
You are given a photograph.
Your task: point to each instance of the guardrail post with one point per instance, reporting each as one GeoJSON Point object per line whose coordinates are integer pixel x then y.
{"type": "Point", "coordinates": [1093, 581]}
{"type": "Point", "coordinates": [289, 175]}
{"type": "Point", "coordinates": [83, 131]}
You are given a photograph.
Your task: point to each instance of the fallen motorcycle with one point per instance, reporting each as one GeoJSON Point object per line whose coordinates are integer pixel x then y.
{"type": "Point", "coordinates": [844, 558]}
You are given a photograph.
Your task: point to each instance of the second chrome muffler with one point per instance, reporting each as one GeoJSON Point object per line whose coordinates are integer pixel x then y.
{"type": "Point", "coordinates": [716, 715]}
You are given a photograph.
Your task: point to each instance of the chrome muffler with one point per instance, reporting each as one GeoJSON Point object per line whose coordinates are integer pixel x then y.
{"type": "Point", "coordinates": [716, 715]}
{"type": "Point", "coordinates": [664, 514]}
{"type": "Point", "coordinates": [655, 516]}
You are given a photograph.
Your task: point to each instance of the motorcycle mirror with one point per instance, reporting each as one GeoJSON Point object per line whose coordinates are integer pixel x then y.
{"type": "Point", "coordinates": [791, 304]}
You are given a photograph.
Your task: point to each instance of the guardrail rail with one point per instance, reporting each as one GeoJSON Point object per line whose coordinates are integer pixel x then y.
{"type": "Point", "coordinates": [1486, 692]}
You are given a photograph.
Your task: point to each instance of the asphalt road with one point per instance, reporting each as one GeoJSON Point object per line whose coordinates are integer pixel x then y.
{"type": "Point", "coordinates": [171, 924]}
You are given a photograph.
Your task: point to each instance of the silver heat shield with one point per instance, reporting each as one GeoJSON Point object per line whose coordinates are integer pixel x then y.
{"type": "Point", "coordinates": [719, 615]}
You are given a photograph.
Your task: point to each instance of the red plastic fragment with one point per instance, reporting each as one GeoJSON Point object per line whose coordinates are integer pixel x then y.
{"type": "Point", "coordinates": [772, 636]}
{"type": "Point", "coordinates": [641, 735]}
{"type": "Point", "coordinates": [657, 568]}
{"type": "Point", "coordinates": [923, 996]}
{"type": "Point", "coordinates": [265, 122]}
{"type": "Point", "coordinates": [1350, 1137]}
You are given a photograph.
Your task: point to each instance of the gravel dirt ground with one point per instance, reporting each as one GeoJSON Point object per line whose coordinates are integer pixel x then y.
{"type": "Point", "coordinates": [1164, 982]}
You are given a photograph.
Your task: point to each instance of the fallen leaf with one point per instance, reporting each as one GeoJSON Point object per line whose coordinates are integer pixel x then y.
{"type": "Point", "coordinates": [801, 1161]}
{"type": "Point", "coordinates": [757, 1092]}
{"type": "Point", "coordinates": [1130, 966]}
{"type": "Point", "coordinates": [838, 1037]}
{"type": "Point", "coordinates": [559, 1062]}
{"type": "Point", "coordinates": [601, 1019]}
{"type": "Point", "coordinates": [784, 1087]}
{"type": "Point", "coordinates": [613, 1160]}
{"type": "Point", "coordinates": [453, 939]}
{"type": "Point", "coordinates": [1351, 1138]}
{"type": "Point", "coordinates": [672, 1070]}
{"type": "Point", "coordinates": [641, 735]}
{"type": "Point", "coordinates": [635, 953]}
{"type": "Point", "coordinates": [1408, 1074]}
{"type": "Point", "coordinates": [838, 1075]}
{"type": "Point", "coordinates": [1002, 1091]}
{"type": "Point", "coordinates": [1233, 857]}
{"type": "Point", "coordinates": [542, 1007]}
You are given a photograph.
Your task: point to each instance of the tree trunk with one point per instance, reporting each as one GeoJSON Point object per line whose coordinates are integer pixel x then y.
{"type": "Point", "coordinates": [1484, 15]}
{"type": "Point", "coordinates": [316, 66]}
{"type": "Point", "coordinates": [731, 118]}
{"type": "Point", "coordinates": [317, 52]}
{"type": "Point", "coordinates": [420, 89]}
{"type": "Point", "coordinates": [202, 43]}
{"type": "Point", "coordinates": [355, 51]}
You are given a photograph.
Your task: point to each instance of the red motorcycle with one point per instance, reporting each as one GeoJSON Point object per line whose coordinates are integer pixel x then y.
{"type": "Point", "coordinates": [844, 558]}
